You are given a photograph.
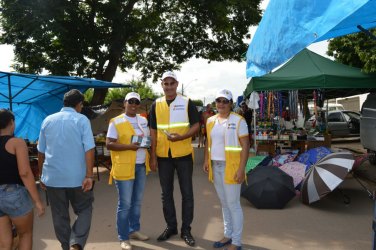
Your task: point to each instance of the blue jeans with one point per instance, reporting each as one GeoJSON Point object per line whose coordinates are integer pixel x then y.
{"type": "Point", "coordinates": [130, 194]}
{"type": "Point", "coordinates": [15, 200]}
{"type": "Point", "coordinates": [229, 195]}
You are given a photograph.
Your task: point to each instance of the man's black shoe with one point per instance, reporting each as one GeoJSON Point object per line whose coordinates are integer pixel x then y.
{"type": "Point", "coordinates": [167, 233]}
{"type": "Point", "coordinates": [188, 238]}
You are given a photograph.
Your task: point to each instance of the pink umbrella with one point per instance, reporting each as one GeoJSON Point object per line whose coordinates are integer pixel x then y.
{"type": "Point", "coordinates": [296, 170]}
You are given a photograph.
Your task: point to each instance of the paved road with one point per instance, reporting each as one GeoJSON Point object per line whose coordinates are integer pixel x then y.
{"type": "Point", "coordinates": [327, 224]}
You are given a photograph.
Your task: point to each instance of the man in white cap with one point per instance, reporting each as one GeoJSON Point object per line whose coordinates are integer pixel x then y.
{"type": "Point", "coordinates": [130, 165]}
{"type": "Point", "coordinates": [174, 120]}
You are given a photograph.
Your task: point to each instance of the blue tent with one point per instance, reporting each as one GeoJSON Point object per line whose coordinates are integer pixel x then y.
{"type": "Point", "coordinates": [289, 26]}
{"type": "Point", "coordinates": [33, 97]}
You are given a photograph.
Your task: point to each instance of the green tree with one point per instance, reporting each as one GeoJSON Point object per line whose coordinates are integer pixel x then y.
{"type": "Point", "coordinates": [198, 102]}
{"type": "Point", "coordinates": [357, 50]}
{"type": "Point", "coordinates": [89, 95]}
{"type": "Point", "coordinates": [145, 91]}
{"type": "Point", "coordinates": [93, 38]}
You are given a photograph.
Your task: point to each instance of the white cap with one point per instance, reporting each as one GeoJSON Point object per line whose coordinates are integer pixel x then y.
{"type": "Point", "coordinates": [169, 74]}
{"type": "Point", "coordinates": [131, 95]}
{"type": "Point", "coordinates": [224, 93]}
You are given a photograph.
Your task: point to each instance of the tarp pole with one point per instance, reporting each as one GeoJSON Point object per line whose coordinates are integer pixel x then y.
{"type": "Point", "coordinates": [367, 32]}
{"type": "Point", "coordinates": [10, 94]}
{"type": "Point", "coordinates": [327, 116]}
{"type": "Point", "coordinates": [254, 130]}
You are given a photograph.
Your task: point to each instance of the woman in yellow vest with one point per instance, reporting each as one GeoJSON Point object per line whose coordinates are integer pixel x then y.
{"type": "Point", "coordinates": [130, 164]}
{"type": "Point", "coordinates": [226, 153]}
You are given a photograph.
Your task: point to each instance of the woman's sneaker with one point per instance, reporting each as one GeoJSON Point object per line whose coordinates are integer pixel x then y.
{"type": "Point", "coordinates": [137, 235]}
{"type": "Point", "coordinates": [125, 245]}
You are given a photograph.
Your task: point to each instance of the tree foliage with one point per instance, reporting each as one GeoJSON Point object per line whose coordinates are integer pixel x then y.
{"type": "Point", "coordinates": [143, 89]}
{"type": "Point", "coordinates": [198, 102]}
{"type": "Point", "coordinates": [357, 50]}
{"type": "Point", "coordinates": [93, 38]}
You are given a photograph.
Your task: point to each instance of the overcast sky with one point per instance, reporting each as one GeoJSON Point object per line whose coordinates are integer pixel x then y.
{"type": "Point", "coordinates": [201, 80]}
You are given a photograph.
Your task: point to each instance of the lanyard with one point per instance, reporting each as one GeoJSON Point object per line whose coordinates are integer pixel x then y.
{"type": "Point", "coordinates": [138, 124]}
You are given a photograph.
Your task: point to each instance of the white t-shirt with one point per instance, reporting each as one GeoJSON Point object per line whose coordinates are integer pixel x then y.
{"type": "Point", "coordinates": [217, 135]}
{"type": "Point", "coordinates": [112, 133]}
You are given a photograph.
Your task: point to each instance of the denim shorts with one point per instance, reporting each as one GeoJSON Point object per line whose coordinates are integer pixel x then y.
{"type": "Point", "coordinates": [14, 200]}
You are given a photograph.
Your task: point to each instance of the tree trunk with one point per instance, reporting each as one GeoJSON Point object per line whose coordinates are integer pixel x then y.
{"type": "Point", "coordinates": [109, 73]}
{"type": "Point", "coordinates": [98, 97]}
{"type": "Point", "coordinates": [118, 41]}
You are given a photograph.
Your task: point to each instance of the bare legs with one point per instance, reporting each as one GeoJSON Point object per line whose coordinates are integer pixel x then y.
{"type": "Point", "coordinates": [5, 233]}
{"type": "Point", "coordinates": [24, 226]}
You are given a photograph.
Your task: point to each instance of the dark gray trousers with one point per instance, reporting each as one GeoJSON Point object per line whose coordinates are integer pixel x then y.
{"type": "Point", "coordinates": [184, 169]}
{"type": "Point", "coordinates": [82, 206]}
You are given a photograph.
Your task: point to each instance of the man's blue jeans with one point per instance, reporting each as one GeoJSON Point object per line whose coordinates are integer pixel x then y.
{"type": "Point", "coordinates": [130, 194]}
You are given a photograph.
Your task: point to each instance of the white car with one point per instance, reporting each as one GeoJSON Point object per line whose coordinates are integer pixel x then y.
{"type": "Point", "coordinates": [340, 123]}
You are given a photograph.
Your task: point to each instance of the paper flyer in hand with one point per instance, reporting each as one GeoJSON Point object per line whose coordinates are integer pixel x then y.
{"type": "Point", "coordinates": [166, 132]}
{"type": "Point", "coordinates": [144, 141]}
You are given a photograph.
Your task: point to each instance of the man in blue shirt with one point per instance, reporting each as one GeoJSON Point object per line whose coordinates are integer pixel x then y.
{"type": "Point", "coordinates": [66, 159]}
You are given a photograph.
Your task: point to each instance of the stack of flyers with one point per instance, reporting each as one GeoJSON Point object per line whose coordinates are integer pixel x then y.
{"type": "Point", "coordinates": [144, 141]}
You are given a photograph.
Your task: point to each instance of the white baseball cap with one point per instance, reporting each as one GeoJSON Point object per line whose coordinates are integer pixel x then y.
{"type": "Point", "coordinates": [131, 95]}
{"type": "Point", "coordinates": [224, 93]}
{"type": "Point", "coordinates": [169, 74]}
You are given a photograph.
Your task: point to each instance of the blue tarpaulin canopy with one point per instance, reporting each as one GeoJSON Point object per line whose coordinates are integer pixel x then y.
{"type": "Point", "coordinates": [289, 26]}
{"type": "Point", "coordinates": [33, 97]}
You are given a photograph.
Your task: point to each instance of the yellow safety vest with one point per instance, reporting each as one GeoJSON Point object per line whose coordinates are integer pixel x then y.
{"type": "Point", "coordinates": [232, 146]}
{"type": "Point", "coordinates": [173, 119]}
{"type": "Point", "coordinates": [124, 162]}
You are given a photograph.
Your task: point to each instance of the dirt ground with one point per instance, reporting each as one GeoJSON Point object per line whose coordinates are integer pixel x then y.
{"type": "Point", "coordinates": [326, 224]}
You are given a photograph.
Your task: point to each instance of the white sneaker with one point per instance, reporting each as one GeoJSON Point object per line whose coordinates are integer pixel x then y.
{"type": "Point", "coordinates": [137, 235]}
{"type": "Point", "coordinates": [125, 245]}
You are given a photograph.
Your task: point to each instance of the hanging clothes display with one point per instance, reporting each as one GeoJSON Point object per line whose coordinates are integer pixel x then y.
{"type": "Point", "coordinates": [262, 107]}
{"type": "Point", "coordinates": [293, 104]}
{"type": "Point", "coordinates": [270, 103]}
{"type": "Point", "coordinates": [320, 98]}
{"type": "Point", "coordinates": [315, 102]}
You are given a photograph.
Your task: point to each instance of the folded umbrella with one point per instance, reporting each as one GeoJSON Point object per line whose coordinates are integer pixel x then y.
{"type": "Point", "coordinates": [326, 175]}
{"type": "Point", "coordinates": [268, 187]}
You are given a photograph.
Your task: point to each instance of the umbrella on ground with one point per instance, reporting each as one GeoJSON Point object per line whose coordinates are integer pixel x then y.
{"type": "Point", "coordinates": [359, 160]}
{"type": "Point", "coordinates": [296, 170]}
{"type": "Point", "coordinates": [326, 175]}
{"type": "Point", "coordinates": [268, 187]}
{"type": "Point", "coordinates": [253, 162]}
{"type": "Point", "coordinates": [313, 155]}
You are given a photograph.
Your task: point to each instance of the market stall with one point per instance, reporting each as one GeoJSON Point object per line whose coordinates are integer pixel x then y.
{"type": "Point", "coordinates": [33, 97]}
{"type": "Point", "coordinates": [286, 28]}
{"type": "Point", "coordinates": [308, 71]}
{"type": "Point", "coordinates": [284, 96]}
